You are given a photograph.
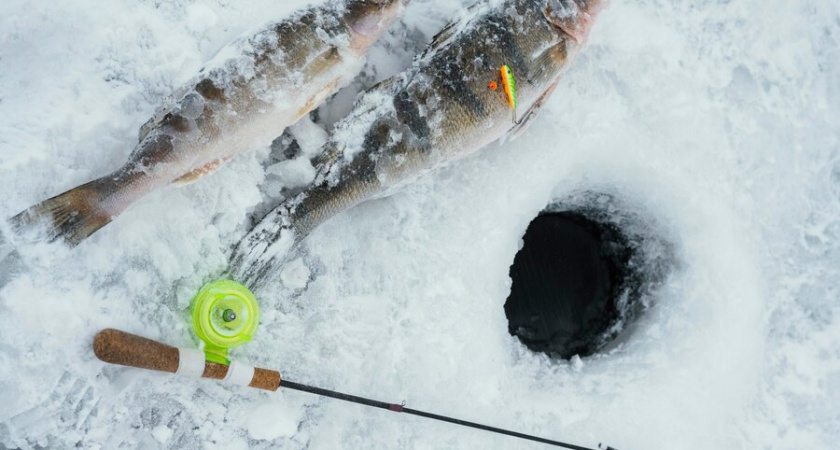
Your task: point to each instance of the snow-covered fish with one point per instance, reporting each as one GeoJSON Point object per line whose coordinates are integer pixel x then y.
{"type": "Point", "coordinates": [437, 111]}
{"type": "Point", "coordinates": [253, 90]}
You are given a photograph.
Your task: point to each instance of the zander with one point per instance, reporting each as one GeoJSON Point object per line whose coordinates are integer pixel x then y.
{"type": "Point", "coordinates": [254, 89]}
{"type": "Point", "coordinates": [438, 111]}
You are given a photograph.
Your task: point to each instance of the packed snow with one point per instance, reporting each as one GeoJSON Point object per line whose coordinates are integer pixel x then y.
{"type": "Point", "coordinates": [716, 123]}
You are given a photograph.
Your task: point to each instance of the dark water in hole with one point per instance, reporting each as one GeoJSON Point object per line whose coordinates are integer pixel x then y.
{"type": "Point", "coordinates": [571, 282]}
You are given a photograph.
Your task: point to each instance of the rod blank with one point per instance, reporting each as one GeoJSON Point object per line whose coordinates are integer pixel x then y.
{"type": "Point", "coordinates": [398, 408]}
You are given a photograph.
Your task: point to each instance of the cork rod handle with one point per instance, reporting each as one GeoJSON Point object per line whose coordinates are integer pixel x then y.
{"type": "Point", "coordinates": [126, 349]}
{"type": "Point", "coordinates": [119, 347]}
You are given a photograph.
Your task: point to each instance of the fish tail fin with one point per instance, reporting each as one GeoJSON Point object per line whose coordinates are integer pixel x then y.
{"type": "Point", "coordinates": [74, 215]}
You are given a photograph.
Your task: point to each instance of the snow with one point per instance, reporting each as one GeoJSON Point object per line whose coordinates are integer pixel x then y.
{"type": "Point", "coordinates": [201, 18]}
{"type": "Point", "coordinates": [295, 274]}
{"type": "Point", "coordinates": [309, 136]}
{"type": "Point", "coordinates": [162, 433]}
{"type": "Point", "coordinates": [293, 173]}
{"type": "Point", "coordinates": [715, 123]}
{"type": "Point", "coordinates": [272, 420]}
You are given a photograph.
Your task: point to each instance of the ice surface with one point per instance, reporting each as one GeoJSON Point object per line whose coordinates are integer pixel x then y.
{"type": "Point", "coordinates": [718, 121]}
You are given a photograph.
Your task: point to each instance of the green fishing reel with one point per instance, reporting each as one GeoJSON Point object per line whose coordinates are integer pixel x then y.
{"type": "Point", "coordinates": [225, 314]}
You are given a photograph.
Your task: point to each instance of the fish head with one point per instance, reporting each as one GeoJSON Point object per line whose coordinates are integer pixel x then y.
{"type": "Point", "coordinates": [549, 34]}
{"type": "Point", "coordinates": [368, 20]}
{"type": "Point", "coordinates": [573, 18]}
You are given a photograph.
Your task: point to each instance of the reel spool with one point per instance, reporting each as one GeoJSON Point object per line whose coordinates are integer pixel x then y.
{"type": "Point", "coordinates": [225, 314]}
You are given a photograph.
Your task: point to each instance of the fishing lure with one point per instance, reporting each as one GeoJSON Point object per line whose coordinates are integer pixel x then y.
{"type": "Point", "coordinates": [510, 87]}
{"type": "Point", "coordinates": [509, 83]}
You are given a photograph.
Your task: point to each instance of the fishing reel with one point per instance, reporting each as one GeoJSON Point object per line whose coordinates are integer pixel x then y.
{"type": "Point", "coordinates": [225, 315]}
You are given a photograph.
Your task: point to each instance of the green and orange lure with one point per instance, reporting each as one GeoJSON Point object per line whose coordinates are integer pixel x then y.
{"type": "Point", "coordinates": [509, 84]}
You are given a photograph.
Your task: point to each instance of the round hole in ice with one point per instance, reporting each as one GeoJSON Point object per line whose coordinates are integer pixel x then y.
{"type": "Point", "coordinates": [578, 279]}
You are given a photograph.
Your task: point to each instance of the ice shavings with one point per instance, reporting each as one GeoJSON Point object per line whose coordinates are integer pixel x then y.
{"type": "Point", "coordinates": [200, 18]}
{"type": "Point", "coordinates": [272, 420]}
{"type": "Point", "coordinates": [293, 173]}
{"type": "Point", "coordinates": [309, 136]}
{"type": "Point", "coordinates": [295, 274]}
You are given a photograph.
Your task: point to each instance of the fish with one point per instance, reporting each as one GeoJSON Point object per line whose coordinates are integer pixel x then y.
{"type": "Point", "coordinates": [246, 96]}
{"type": "Point", "coordinates": [436, 112]}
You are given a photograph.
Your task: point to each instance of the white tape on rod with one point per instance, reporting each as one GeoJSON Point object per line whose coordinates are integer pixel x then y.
{"type": "Point", "coordinates": [190, 362]}
{"type": "Point", "coordinates": [239, 374]}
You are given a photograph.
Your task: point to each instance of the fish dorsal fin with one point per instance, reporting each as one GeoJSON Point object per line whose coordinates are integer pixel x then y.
{"type": "Point", "coordinates": [387, 86]}
{"type": "Point", "coordinates": [445, 36]}
{"type": "Point", "coordinates": [167, 106]}
{"type": "Point", "coordinates": [441, 38]}
{"type": "Point", "coordinates": [146, 129]}
{"type": "Point", "coordinates": [321, 63]}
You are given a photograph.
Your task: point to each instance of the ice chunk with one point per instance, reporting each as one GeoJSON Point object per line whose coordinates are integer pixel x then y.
{"type": "Point", "coordinates": [273, 420]}
{"type": "Point", "coordinates": [295, 274]}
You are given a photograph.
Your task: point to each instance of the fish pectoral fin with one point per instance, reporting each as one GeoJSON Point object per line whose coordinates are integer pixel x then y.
{"type": "Point", "coordinates": [199, 172]}
{"type": "Point", "coordinates": [389, 86]}
{"type": "Point", "coordinates": [321, 63]}
{"type": "Point", "coordinates": [317, 99]}
{"type": "Point", "coordinates": [146, 129]}
{"type": "Point", "coordinates": [527, 119]}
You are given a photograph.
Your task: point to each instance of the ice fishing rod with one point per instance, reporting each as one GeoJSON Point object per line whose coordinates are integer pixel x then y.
{"type": "Point", "coordinates": [225, 315]}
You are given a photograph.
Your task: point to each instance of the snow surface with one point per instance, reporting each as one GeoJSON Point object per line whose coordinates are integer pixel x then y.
{"type": "Point", "coordinates": [719, 121]}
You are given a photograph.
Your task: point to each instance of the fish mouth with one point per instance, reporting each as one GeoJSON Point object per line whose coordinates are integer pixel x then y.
{"type": "Point", "coordinates": [369, 19]}
{"type": "Point", "coordinates": [573, 18]}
